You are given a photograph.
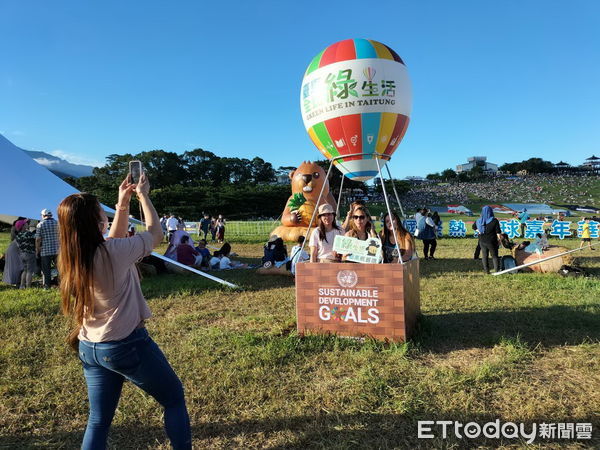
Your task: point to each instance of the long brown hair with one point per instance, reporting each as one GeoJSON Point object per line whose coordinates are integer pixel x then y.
{"type": "Point", "coordinates": [368, 225]}
{"type": "Point", "coordinates": [80, 236]}
{"type": "Point", "coordinates": [402, 234]}
{"type": "Point", "coordinates": [323, 232]}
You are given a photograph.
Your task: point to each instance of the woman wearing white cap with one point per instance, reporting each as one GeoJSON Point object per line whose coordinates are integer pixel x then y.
{"type": "Point", "coordinates": [321, 239]}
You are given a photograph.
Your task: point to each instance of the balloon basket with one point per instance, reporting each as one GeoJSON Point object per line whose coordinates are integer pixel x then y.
{"type": "Point", "coordinates": [378, 301]}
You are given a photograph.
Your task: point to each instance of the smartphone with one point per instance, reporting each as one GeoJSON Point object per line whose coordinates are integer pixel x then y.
{"type": "Point", "coordinates": [135, 171]}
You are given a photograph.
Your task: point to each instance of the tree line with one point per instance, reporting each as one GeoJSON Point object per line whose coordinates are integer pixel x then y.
{"type": "Point", "coordinates": [198, 182]}
{"type": "Point", "coordinates": [194, 183]}
{"type": "Point", "coordinates": [531, 166]}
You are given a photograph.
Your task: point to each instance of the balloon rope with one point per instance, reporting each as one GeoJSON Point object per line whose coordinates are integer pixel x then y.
{"type": "Point", "coordinates": [312, 219]}
{"type": "Point", "coordinates": [337, 210]}
{"type": "Point", "coordinates": [395, 192]}
{"type": "Point", "coordinates": [387, 204]}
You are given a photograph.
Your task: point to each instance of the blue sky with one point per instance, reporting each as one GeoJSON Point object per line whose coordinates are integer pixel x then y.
{"type": "Point", "coordinates": [508, 80]}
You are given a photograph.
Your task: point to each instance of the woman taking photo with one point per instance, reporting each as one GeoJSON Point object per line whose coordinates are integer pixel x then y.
{"type": "Point", "coordinates": [322, 237]}
{"type": "Point", "coordinates": [405, 241]}
{"type": "Point", "coordinates": [101, 292]}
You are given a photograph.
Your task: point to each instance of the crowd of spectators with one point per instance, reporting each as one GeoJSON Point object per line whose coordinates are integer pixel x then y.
{"type": "Point", "coordinates": [525, 189]}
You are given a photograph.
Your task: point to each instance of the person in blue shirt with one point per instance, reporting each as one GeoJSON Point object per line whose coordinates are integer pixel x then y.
{"type": "Point", "coordinates": [204, 252]}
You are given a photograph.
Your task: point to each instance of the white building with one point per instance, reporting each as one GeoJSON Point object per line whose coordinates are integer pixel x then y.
{"type": "Point", "coordinates": [477, 161]}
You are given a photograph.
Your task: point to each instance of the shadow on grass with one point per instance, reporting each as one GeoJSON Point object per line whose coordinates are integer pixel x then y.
{"type": "Point", "coordinates": [247, 279]}
{"type": "Point", "coordinates": [444, 265]}
{"type": "Point", "coordinates": [360, 430]}
{"type": "Point", "coordinates": [7, 287]}
{"type": "Point", "coordinates": [447, 265]}
{"type": "Point", "coordinates": [551, 326]}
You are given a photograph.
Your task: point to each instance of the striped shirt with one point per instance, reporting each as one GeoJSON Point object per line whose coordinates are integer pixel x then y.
{"type": "Point", "coordinates": [47, 231]}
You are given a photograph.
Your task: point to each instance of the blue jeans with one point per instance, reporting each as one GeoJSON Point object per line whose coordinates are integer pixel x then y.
{"type": "Point", "coordinates": [137, 358]}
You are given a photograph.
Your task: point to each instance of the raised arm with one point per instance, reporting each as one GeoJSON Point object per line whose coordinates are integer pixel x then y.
{"type": "Point", "coordinates": [121, 219]}
{"type": "Point", "coordinates": [152, 220]}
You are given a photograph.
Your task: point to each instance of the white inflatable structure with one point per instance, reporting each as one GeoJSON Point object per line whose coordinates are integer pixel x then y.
{"type": "Point", "coordinates": [27, 187]}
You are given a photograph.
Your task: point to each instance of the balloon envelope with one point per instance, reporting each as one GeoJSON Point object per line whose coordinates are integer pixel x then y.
{"type": "Point", "coordinates": [356, 101]}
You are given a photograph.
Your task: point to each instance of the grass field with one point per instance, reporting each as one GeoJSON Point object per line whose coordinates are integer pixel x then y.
{"type": "Point", "coordinates": [521, 348]}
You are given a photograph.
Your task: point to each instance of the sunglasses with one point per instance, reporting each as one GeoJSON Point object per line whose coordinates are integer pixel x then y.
{"type": "Point", "coordinates": [359, 217]}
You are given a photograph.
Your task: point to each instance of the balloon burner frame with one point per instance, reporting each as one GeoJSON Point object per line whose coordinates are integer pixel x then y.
{"type": "Point", "coordinates": [377, 157]}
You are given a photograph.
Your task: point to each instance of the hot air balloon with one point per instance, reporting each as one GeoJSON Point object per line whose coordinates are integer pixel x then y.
{"type": "Point", "coordinates": [356, 101]}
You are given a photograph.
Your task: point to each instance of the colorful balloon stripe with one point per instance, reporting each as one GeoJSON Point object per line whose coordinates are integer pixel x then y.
{"type": "Point", "coordinates": [351, 124]}
{"type": "Point", "coordinates": [313, 136]}
{"type": "Point", "coordinates": [352, 49]}
{"type": "Point", "coordinates": [336, 133]}
{"type": "Point", "coordinates": [345, 50]}
{"type": "Point", "coordinates": [323, 136]}
{"type": "Point", "coordinates": [355, 133]}
{"type": "Point", "coordinates": [397, 134]}
{"type": "Point", "coordinates": [382, 50]}
{"type": "Point", "coordinates": [314, 64]}
{"type": "Point", "coordinates": [386, 126]}
{"type": "Point", "coordinates": [364, 49]}
{"type": "Point", "coordinates": [370, 130]}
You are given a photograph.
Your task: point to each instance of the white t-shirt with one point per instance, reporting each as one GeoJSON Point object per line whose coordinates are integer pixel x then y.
{"type": "Point", "coordinates": [225, 263]}
{"type": "Point", "coordinates": [172, 223]}
{"type": "Point", "coordinates": [214, 262]}
{"type": "Point", "coordinates": [324, 248]}
{"type": "Point", "coordinates": [298, 256]}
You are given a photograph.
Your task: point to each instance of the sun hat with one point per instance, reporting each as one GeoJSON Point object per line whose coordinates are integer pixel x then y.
{"type": "Point", "coordinates": [326, 208]}
{"type": "Point", "coordinates": [20, 224]}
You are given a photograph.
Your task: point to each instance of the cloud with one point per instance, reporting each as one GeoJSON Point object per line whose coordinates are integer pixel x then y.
{"type": "Point", "coordinates": [17, 133]}
{"type": "Point", "coordinates": [76, 159]}
{"type": "Point", "coordinates": [46, 162]}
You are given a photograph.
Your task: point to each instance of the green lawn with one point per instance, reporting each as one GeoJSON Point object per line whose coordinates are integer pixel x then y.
{"type": "Point", "coordinates": [521, 348]}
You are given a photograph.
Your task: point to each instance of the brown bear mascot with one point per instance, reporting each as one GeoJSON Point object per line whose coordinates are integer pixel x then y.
{"type": "Point", "coordinates": [307, 181]}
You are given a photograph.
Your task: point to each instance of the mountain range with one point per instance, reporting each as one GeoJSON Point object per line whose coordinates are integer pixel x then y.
{"type": "Point", "coordinates": [54, 164]}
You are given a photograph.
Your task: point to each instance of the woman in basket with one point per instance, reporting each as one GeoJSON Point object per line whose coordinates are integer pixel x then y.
{"type": "Point", "coordinates": [322, 237]}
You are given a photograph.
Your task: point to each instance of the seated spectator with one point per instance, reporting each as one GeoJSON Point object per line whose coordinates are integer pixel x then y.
{"type": "Point", "coordinates": [215, 262]}
{"type": "Point", "coordinates": [225, 262]}
{"type": "Point", "coordinates": [186, 254]}
{"type": "Point", "coordinates": [543, 241]}
{"type": "Point", "coordinates": [298, 255]}
{"type": "Point", "coordinates": [274, 252]}
{"type": "Point", "coordinates": [175, 240]}
{"type": "Point", "coordinates": [204, 253]}
{"type": "Point", "coordinates": [505, 241]}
